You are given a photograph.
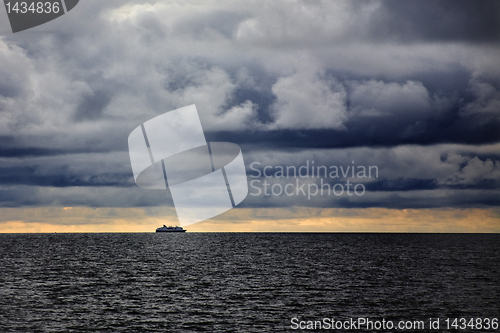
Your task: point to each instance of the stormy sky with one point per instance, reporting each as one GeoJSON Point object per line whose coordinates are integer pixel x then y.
{"type": "Point", "coordinates": [410, 87]}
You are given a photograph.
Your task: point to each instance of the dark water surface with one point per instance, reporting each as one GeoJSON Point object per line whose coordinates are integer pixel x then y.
{"type": "Point", "coordinates": [241, 282]}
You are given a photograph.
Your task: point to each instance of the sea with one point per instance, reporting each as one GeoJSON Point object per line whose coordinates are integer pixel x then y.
{"type": "Point", "coordinates": [249, 282]}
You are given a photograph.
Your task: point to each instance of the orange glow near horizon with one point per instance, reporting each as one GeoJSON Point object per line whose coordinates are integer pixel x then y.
{"type": "Point", "coordinates": [84, 219]}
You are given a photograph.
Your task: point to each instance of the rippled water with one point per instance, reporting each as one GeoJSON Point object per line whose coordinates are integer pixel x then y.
{"type": "Point", "coordinates": [240, 282]}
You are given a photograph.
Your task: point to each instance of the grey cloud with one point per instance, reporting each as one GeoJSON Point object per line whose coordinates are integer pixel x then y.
{"type": "Point", "coordinates": [67, 170]}
{"type": "Point", "coordinates": [304, 101]}
{"type": "Point", "coordinates": [25, 196]}
{"type": "Point", "coordinates": [410, 99]}
{"type": "Point", "coordinates": [486, 102]}
{"type": "Point", "coordinates": [442, 20]}
{"type": "Point", "coordinates": [474, 170]}
{"type": "Point", "coordinates": [224, 23]}
{"type": "Point", "coordinates": [92, 106]}
{"type": "Point", "coordinates": [13, 72]}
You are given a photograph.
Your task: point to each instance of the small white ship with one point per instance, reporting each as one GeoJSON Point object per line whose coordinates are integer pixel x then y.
{"type": "Point", "coordinates": [170, 229]}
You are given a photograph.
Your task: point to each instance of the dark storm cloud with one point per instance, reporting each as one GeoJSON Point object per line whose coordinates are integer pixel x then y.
{"type": "Point", "coordinates": [391, 199]}
{"type": "Point", "coordinates": [464, 199]}
{"type": "Point", "coordinates": [25, 196]}
{"type": "Point", "coordinates": [392, 113]}
{"type": "Point", "coordinates": [264, 99]}
{"type": "Point", "coordinates": [25, 152]}
{"type": "Point", "coordinates": [274, 77]}
{"type": "Point", "coordinates": [254, 84]}
{"type": "Point", "coordinates": [364, 131]}
{"type": "Point", "coordinates": [414, 184]}
{"type": "Point", "coordinates": [92, 106]}
{"type": "Point", "coordinates": [77, 171]}
{"type": "Point", "coordinates": [30, 176]}
{"type": "Point", "coordinates": [452, 78]}
{"type": "Point", "coordinates": [36, 151]}
{"type": "Point", "coordinates": [8, 89]}
{"type": "Point", "coordinates": [220, 22]}
{"type": "Point", "coordinates": [442, 20]}
{"type": "Point", "coordinates": [406, 177]}
{"type": "Point", "coordinates": [47, 145]}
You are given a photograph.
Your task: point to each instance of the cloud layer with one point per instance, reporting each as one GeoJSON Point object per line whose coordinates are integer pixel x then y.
{"type": "Point", "coordinates": [409, 87]}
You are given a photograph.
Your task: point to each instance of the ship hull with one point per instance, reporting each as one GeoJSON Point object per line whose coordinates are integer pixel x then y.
{"type": "Point", "coordinates": [170, 230]}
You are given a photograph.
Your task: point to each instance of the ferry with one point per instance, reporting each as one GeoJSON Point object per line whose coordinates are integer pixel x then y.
{"type": "Point", "coordinates": [170, 229]}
